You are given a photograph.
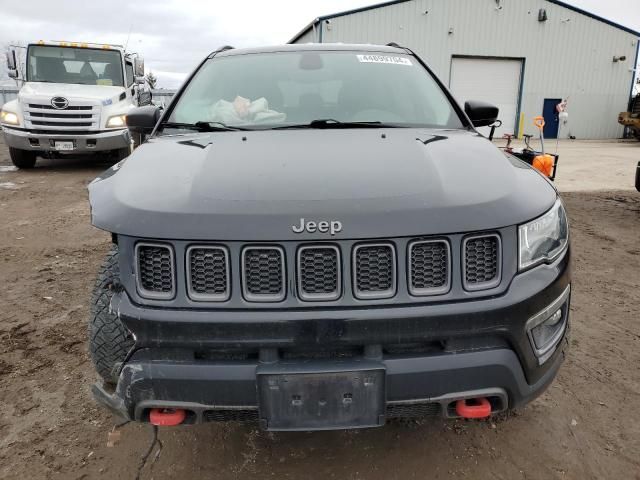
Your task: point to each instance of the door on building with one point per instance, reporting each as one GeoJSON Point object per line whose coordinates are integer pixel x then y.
{"type": "Point", "coordinates": [551, 119]}
{"type": "Point", "coordinates": [493, 80]}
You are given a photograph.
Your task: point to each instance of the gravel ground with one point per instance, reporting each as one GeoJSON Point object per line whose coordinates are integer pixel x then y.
{"type": "Point", "coordinates": [586, 425]}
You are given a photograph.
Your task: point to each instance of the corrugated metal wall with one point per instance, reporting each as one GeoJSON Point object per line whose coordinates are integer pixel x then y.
{"type": "Point", "coordinates": [569, 55]}
{"type": "Point", "coordinates": [308, 37]}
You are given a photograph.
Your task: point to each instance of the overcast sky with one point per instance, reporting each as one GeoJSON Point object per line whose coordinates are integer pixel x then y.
{"type": "Point", "coordinates": [174, 35]}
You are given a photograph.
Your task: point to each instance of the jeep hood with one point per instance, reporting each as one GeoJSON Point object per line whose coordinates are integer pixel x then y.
{"type": "Point", "coordinates": [256, 185]}
{"type": "Point", "coordinates": [70, 91]}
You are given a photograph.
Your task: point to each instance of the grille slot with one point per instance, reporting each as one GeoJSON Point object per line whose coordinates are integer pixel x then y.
{"type": "Point", "coordinates": [263, 274]}
{"type": "Point", "coordinates": [413, 410]}
{"type": "Point", "coordinates": [482, 260]}
{"type": "Point", "coordinates": [319, 272]}
{"type": "Point", "coordinates": [60, 124]}
{"type": "Point", "coordinates": [429, 267]}
{"type": "Point", "coordinates": [243, 415]}
{"type": "Point", "coordinates": [70, 107]}
{"type": "Point", "coordinates": [208, 273]}
{"type": "Point", "coordinates": [155, 271]}
{"type": "Point", "coordinates": [375, 271]}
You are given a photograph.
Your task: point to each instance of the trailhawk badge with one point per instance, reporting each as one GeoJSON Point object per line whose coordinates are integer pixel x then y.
{"type": "Point", "coordinates": [331, 227]}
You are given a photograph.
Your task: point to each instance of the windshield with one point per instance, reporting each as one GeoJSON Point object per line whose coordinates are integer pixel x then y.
{"type": "Point", "coordinates": [275, 90]}
{"type": "Point", "coordinates": [85, 66]}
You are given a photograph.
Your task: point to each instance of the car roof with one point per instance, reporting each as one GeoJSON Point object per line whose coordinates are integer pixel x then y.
{"type": "Point", "coordinates": [310, 47]}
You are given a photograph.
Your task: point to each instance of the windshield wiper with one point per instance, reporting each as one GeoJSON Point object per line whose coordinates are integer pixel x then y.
{"type": "Point", "coordinates": [202, 126]}
{"type": "Point", "coordinates": [331, 123]}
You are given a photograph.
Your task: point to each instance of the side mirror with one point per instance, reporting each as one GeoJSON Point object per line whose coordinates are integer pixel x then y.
{"type": "Point", "coordinates": [481, 114]}
{"type": "Point", "coordinates": [12, 74]}
{"type": "Point", "coordinates": [138, 67]}
{"type": "Point", "coordinates": [12, 63]}
{"type": "Point", "coordinates": [144, 98]}
{"type": "Point", "coordinates": [142, 120]}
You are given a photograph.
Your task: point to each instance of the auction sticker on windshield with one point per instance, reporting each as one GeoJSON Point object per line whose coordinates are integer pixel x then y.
{"type": "Point", "coordinates": [384, 59]}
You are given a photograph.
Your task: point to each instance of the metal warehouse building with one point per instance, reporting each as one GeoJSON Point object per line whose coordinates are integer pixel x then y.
{"type": "Point", "coordinates": [522, 55]}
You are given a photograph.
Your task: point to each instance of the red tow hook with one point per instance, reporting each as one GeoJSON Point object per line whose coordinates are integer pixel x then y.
{"type": "Point", "coordinates": [167, 417]}
{"type": "Point", "coordinates": [473, 408]}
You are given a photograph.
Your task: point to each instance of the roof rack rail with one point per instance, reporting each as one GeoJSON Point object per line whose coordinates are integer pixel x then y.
{"type": "Point", "coordinates": [393, 44]}
{"type": "Point", "coordinates": [221, 49]}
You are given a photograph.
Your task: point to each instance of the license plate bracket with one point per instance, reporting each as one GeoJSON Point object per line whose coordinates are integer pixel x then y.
{"type": "Point", "coordinates": [322, 400]}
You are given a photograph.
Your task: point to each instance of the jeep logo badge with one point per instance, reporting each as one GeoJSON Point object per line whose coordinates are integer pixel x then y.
{"type": "Point", "coordinates": [332, 227]}
{"type": "Point", "coordinates": [59, 103]}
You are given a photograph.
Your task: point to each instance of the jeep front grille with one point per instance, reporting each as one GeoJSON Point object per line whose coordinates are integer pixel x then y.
{"type": "Point", "coordinates": [299, 274]}
{"type": "Point", "coordinates": [482, 259]}
{"type": "Point", "coordinates": [263, 274]}
{"type": "Point", "coordinates": [155, 271]}
{"type": "Point", "coordinates": [208, 273]}
{"type": "Point", "coordinates": [319, 272]}
{"type": "Point", "coordinates": [375, 271]}
{"type": "Point", "coordinates": [429, 267]}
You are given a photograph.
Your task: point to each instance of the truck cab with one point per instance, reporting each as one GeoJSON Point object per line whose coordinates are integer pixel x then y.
{"type": "Point", "coordinates": [73, 99]}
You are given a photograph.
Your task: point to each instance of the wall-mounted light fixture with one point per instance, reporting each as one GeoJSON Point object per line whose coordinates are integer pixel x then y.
{"type": "Point", "coordinates": [621, 58]}
{"type": "Point", "coordinates": [542, 15]}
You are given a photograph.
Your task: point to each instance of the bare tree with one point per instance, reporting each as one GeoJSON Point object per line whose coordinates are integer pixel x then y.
{"type": "Point", "coordinates": [151, 80]}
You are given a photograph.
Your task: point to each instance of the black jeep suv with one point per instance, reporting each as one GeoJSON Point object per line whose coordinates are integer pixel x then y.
{"type": "Point", "coordinates": [316, 237]}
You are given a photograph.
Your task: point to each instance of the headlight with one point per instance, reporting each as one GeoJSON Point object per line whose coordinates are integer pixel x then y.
{"type": "Point", "coordinates": [9, 118]}
{"type": "Point", "coordinates": [116, 121]}
{"type": "Point", "coordinates": [543, 239]}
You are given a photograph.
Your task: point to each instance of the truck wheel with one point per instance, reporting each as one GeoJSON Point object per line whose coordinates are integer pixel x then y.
{"type": "Point", "coordinates": [22, 158]}
{"type": "Point", "coordinates": [109, 341]}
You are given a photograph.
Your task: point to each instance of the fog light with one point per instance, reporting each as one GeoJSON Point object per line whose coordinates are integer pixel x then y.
{"type": "Point", "coordinates": [545, 330]}
{"type": "Point", "coordinates": [544, 333]}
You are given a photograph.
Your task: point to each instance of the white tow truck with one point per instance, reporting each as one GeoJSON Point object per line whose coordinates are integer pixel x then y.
{"type": "Point", "coordinates": [73, 99]}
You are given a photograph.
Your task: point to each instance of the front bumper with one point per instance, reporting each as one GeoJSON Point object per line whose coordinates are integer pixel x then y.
{"type": "Point", "coordinates": [83, 143]}
{"type": "Point", "coordinates": [208, 362]}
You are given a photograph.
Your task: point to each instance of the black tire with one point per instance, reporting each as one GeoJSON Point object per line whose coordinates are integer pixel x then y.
{"type": "Point", "coordinates": [22, 158]}
{"type": "Point", "coordinates": [121, 154]}
{"type": "Point", "coordinates": [109, 341]}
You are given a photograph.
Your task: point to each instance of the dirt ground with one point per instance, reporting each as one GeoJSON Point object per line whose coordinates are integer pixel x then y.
{"type": "Point", "coordinates": [586, 426]}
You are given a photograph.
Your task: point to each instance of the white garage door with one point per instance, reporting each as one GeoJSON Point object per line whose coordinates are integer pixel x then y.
{"type": "Point", "coordinates": [492, 80]}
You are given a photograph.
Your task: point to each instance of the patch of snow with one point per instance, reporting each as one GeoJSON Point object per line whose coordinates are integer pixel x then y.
{"type": "Point", "coordinates": [9, 185]}
{"type": "Point", "coordinates": [8, 168]}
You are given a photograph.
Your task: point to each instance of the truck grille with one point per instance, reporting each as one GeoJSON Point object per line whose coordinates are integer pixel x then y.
{"type": "Point", "coordinates": [375, 271]}
{"type": "Point", "coordinates": [155, 269]}
{"type": "Point", "coordinates": [263, 274]}
{"type": "Point", "coordinates": [429, 270]}
{"type": "Point", "coordinates": [208, 273]}
{"type": "Point", "coordinates": [72, 118]}
{"type": "Point", "coordinates": [481, 262]}
{"type": "Point", "coordinates": [319, 272]}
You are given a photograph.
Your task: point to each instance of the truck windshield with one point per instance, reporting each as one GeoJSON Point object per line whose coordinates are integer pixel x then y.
{"type": "Point", "coordinates": [314, 89]}
{"type": "Point", "coordinates": [84, 66]}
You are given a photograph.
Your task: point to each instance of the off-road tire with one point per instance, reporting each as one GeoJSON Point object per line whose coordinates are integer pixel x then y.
{"type": "Point", "coordinates": [109, 341]}
{"type": "Point", "coordinates": [22, 158]}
